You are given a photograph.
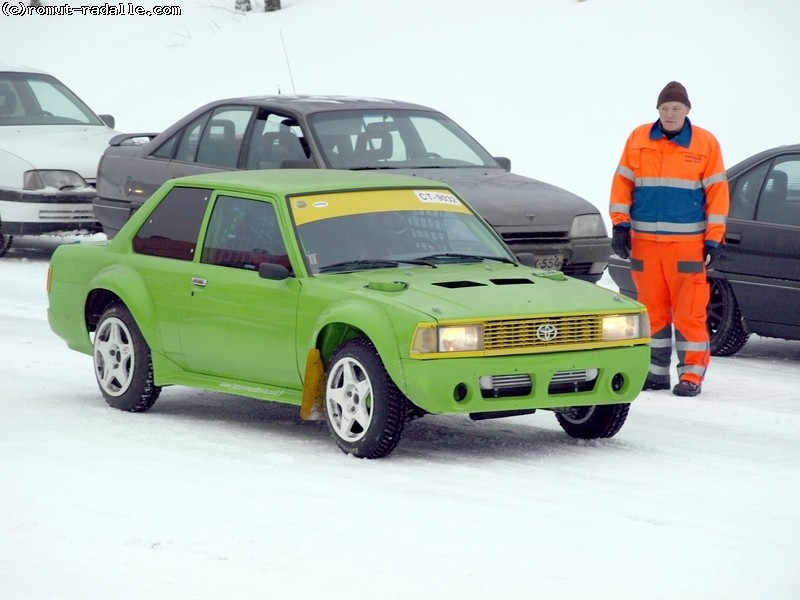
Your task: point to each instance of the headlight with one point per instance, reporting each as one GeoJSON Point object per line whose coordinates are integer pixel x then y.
{"type": "Point", "coordinates": [50, 178]}
{"type": "Point", "coordinates": [625, 327]}
{"type": "Point", "coordinates": [587, 226]}
{"type": "Point", "coordinates": [451, 338]}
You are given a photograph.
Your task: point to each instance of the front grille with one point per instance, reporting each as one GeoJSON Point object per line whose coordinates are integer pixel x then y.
{"type": "Point", "coordinates": [569, 382]}
{"type": "Point", "coordinates": [505, 386]}
{"type": "Point", "coordinates": [542, 332]}
{"type": "Point", "coordinates": [576, 268]}
{"type": "Point", "coordinates": [534, 238]}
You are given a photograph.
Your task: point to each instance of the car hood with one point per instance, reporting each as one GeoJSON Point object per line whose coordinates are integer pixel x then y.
{"type": "Point", "coordinates": [507, 199]}
{"type": "Point", "coordinates": [67, 147]}
{"type": "Point", "coordinates": [479, 291]}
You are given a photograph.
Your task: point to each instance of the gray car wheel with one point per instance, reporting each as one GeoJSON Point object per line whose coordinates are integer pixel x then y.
{"type": "Point", "coordinates": [364, 409]}
{"type": "Point", "coordinates": [122, 363]}
{"type": "Point", "coordinates": [724, 320]}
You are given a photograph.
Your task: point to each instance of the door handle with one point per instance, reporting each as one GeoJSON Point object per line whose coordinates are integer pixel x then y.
{"type": "Point", "coordinates": [733, 238]}
{"type": "Point", "coordinates": [199, 281]}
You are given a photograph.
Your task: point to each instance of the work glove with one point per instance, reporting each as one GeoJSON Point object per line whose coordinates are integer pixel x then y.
{"type": "Point", "coordinates": [621, 241]}
{"type": "Point", "coordinates": [712, 252]}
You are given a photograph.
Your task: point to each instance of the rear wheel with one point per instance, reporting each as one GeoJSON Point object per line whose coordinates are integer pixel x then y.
{"type": "Point", "coordinates": [724, 320]}
{"type": "Point", "coordinates": [592, 422]}
{"type": "Point", "coordinates": [122, 363]}
{"type": "Point", "coordinates": [364, 409]}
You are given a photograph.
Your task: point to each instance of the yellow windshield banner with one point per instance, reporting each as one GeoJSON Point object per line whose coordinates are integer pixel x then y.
{"type": "Point", "coordinates": [307, 209]}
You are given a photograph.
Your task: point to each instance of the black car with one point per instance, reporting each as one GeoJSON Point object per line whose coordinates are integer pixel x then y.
{"type": "Point", "coordinates": [561, 230]}
{"type": "Point", "coordinates": [755, 286]}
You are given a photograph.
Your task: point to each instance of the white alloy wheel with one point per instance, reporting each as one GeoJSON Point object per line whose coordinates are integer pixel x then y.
{"type": "Point", "coordinates": [349, 399]}
{"type": "Point", "coordinates": [114, 356]}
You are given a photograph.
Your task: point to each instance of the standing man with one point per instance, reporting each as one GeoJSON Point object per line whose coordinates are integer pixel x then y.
{"type": "Point", "coordinates": [669, 202]}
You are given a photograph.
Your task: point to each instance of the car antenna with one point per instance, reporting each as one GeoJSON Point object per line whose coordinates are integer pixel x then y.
{"type": "Point", "coordinates": [289, 66]}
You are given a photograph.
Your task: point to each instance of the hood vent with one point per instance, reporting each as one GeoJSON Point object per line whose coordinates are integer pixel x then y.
{"type": "Point", "coordinates": [470, 284]}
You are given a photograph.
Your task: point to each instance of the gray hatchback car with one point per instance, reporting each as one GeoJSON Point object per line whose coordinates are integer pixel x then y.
{"type": "Point", "coordinates": [559, 229]}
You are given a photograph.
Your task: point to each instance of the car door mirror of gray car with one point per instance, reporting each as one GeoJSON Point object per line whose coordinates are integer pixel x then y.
{"type": "Point", "coordinates": [504, 162]}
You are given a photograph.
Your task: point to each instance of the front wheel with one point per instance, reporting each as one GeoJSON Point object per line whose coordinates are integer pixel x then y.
{"type": "Point", "coordinates": [592, 422]}
{"type": "Point", "coordinates": [724, 320]}
{"type": "Point", "coordinates": [364, 409]}
{"type": "Point", "coordinates": [122, 363]}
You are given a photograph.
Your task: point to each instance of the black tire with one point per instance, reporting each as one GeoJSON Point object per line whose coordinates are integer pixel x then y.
{"type": "Point", "coordinates": [364, 409]}
{"type": "Point", "coordinates": [122, 363]}
{"type": "Point", "coordinates": [592, 422]}
{"type": "Point", "coordinates": [724, 320]}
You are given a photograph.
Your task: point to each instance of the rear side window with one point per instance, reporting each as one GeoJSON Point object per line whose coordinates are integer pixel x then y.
{"type": "Point", "coordinates": [172, 229]}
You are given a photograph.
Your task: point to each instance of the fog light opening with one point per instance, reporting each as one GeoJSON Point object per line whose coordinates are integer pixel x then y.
{"type": "Point", "coordinates": [618, 382]}
{"type": "Point", "coordinates": [460, 392]}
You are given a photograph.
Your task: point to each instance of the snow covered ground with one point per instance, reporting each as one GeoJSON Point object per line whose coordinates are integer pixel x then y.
{"type": "Point", "coordinates": [214, 496]}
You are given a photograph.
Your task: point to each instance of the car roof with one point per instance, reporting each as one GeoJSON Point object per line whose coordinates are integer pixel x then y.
{"type": "Point", "coordinates": [761, 156]}
{"type": "Point", "coordinates": [18, 68]}
{"type": "Point", "coordinates": [305, 181]}
{"type": "Point", "coordinates": [307, 104]}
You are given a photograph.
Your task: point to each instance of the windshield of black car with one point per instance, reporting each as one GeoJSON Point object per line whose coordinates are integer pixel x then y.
{"type": "Point", "coordinates": [397, 238]}
{"type": "Point", "coordinates": [39, 99]}
{"type": "Point", "coordinates": [395, 139]}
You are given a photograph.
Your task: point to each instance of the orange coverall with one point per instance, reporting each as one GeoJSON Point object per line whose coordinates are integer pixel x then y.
{"type": "Point", "coordinates": [674, 195]}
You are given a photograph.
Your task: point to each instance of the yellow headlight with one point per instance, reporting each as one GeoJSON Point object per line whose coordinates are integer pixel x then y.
{"type": "Point", "coordinates": [452, 338]}
{"type": "Point", "coordinates": [623, 327]}
{"type": "Point", "coordinates": [462, 338]}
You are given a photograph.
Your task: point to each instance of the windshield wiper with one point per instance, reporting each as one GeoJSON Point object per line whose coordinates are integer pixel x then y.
{"type": "Point", "coordinates": [459, 257]}
{"type": "Point", "coordinates": [372, 263]}
{"type": "Point", "coordinates": [375, 168]}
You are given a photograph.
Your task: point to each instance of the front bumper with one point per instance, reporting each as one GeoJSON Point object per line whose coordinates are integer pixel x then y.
{"type": "Point", "coordinates": [453, 385]}
{"type": "Point", "coordinates": [26, 213]}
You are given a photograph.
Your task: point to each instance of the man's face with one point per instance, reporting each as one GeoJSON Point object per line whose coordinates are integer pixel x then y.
{"type": "Point", "coordinates": [672, 115]}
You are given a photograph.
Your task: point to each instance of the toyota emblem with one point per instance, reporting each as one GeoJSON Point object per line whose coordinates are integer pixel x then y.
{"type": "Point", "coordinates": [546, 333]}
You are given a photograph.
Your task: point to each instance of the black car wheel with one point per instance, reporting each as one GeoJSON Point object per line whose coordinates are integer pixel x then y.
{"type": "Point", "coordinates": [364, 409]}
{"type": "Point", "coordinates": [592, 422]}
{"type": "Point", "coordinates": [724, 320]}
{"type": "Point", "coordinates": [122, 363]}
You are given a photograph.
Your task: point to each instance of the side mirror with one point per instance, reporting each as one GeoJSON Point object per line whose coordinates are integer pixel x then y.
{"type": "Point", "coordinates": [273, 271]}
{"type": "Point", "coordinates": [108, 120]}
{"type": "Point", "coordinates": [503, 162]}
{"type": "Point", "coordinates": [526, 259]}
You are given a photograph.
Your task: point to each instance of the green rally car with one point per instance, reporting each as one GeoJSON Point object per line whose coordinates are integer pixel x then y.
{"type": "Point", "coordinates": [366, 300]}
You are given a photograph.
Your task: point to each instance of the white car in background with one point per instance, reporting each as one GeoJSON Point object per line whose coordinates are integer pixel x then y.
{"type": "Point", "coordinates": [50, 144]}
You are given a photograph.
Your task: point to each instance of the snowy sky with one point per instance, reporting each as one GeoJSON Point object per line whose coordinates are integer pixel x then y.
{"type": "Point", "coordinates": [211, 496]}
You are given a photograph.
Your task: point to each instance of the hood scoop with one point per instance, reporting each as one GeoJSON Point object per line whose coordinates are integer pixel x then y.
{"type": "Point", "coordinates": [470, 284]}
{"type": "Point", "coordinates": [387, 286]}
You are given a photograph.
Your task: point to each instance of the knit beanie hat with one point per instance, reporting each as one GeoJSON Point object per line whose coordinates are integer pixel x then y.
{"type": "Point", "coordinates": [673, 92]}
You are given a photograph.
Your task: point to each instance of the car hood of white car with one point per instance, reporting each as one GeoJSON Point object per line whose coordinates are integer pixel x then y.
{"type": "Point", "coordinates": [66, 147]}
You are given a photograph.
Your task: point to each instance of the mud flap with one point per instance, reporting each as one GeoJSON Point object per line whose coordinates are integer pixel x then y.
{"type": "Point", "coordinates": [311, 408]}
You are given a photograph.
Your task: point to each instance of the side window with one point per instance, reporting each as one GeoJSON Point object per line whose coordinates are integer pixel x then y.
{"type": "Point", "coordinates": [780, 196]}
{"type": "Point", "coordinates": [744, 196]}
{"type": "Point", "coordinates": [275, 139]}
{"type": "Point", "coordinates": [187, 148]}
{"type": "Point", "coordinates": [222, 137]}
{"type": "Point", "coordinates": [243, 234]}
{"type": "Point", "coordinates": [173, 227]}
{"type": "Point", "coordinates": [166, 149]}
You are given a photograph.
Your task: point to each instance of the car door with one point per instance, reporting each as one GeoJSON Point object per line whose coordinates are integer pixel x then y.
{"type": "Point", "coordinates": [762, 255]}
{"type": "Point", "coordinates": [211, 142]}
{"type": "Point", "coordinates": [234, 323]}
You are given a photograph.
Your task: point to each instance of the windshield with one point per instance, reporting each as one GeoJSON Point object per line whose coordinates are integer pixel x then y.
{"type": "Point", "coordinates": [38, 99]}
{"type": "Point", "coordinates": [378, 229]}
{"type": "Point", "coordinates": [395, 139]}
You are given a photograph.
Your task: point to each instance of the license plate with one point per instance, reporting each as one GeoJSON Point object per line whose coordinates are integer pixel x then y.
{"type": "Point", "coordinates": [549, 261]}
